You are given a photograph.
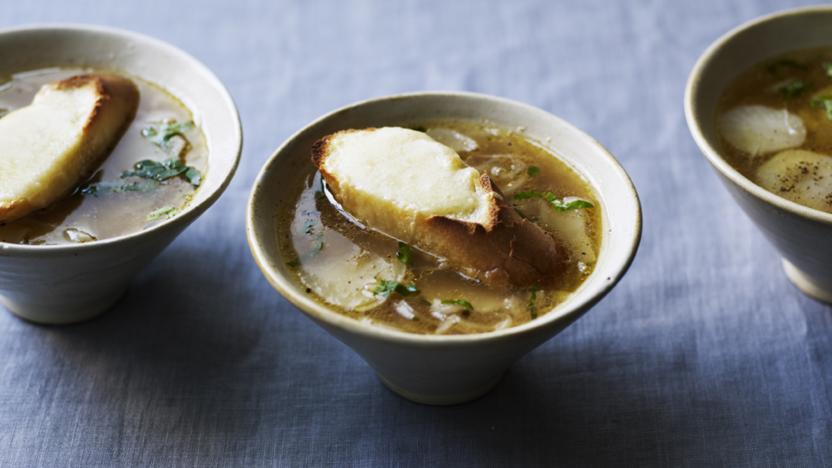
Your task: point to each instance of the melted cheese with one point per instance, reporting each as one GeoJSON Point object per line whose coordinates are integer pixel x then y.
{"type": "Point", "coordinates": [397, 173]}
{"type": "Point", "coordinates": [40, 140]}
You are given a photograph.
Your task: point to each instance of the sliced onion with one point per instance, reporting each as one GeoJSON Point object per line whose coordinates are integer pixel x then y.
{"type": "Point", "coordinates": [77, 235]}
{"type": "Point", "coordinates": [404, 309]}
{"type": "Point", "coordinates": [442, 311]}
{"type": "Point", "coordinates": [344, 274]}
{"type": "Point", "coordinates": [453, 139]}
{"type": "Point", "coordinates": [801, 176]}
{"type": "Point", "coordinates": [508, 171]}
{"type": "Point", "coordinates": [504, 323]}
{"type": "Point", "coordinates": [758, 130]}
{"type": "Point", "coordinates": [446, 324]}
{"type": "Point", "coordinates": [569, 226]}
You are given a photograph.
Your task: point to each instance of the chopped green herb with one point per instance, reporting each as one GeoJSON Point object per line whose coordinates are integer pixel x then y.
{"type": "Point", "coordinates": [824, 102]}
{"type": "Point", "coordinates": [460, 302]}
{"type": "Point", "coordinates": [164, 170]}
{"type": "Point", "coordinates": [785, 64]}
{"type": "Point", "coordinates": [309, 226]}
{"type": "Point", "coordinates": [161, 134]}
{"type": "Point", "coordinates": [533, 171]}
{"type": "Point", "coordinates": [792, 89]}
{"type": "Point", "coordinates": [156, 170]}
{"type": "Point", "coordinates": [557, 203]}
{"type": "Point", "coordinates": [165, 212]}
{"type": "Point", "coordinates": [533, 303]}
{"type": "Point", "coordinates": [386, 288]}
{"type": "Point", "coordinates": [193, 176]}
{"type": "Point", "coordinates": [404, 254]}
{"type": "Point", "coordinates": [575, 204]}
{"type": "Point", "coordinates": [100, 188]}
{"type": "Point", "coordinates": [828, 67]}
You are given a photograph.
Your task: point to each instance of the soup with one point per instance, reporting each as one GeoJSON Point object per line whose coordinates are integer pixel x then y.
{"type": "Point", "coordinates": [149, 177]}
{"type": "Point", "coordinates": [775, 123]}
{"type": "Point", "coordinates": [377, 279]}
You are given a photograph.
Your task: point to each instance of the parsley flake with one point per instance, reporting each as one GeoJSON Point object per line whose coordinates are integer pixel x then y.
{"type": "Point", "coordinates": [792, 88]}
{"type": "Point", "coordinates": [404, 254]}
{"type": "Point", "coordinates": [162, 133]}
{"type": "Point", "coordinates": [560, 204]}
{"type": "Point", "coordinates": [532, 306]}
{"type": "Point", "coordinates": [825, 103]}
{"type": "Point", "coordinates": [164, 170]}
{"type": "Point", "coordinates": [100, 188]}
{"type": "Point", "coordinates": [165, 212]}
{"type": "Point", "coordinates": [386, 288]}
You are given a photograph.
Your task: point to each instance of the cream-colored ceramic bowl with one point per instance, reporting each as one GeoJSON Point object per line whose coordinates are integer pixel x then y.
{"type": "Point", "coordinates": [70, 283]}
{"type": "Point", "coordinates": [447, 369]}
{"type": "Point", "coordinates": [802, 235]}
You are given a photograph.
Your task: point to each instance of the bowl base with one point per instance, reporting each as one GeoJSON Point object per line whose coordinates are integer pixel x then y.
{"type": "Point", "coordinates": [806, 283]}
{"type": "Point", "coordinates": [441, 399]}
{"type": "Point", "coordinates": [65, 315]}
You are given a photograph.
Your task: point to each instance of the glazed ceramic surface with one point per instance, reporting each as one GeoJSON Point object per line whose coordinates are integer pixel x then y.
{"type": "Point", "coordinates": [447, 369]}
{"type": "Point", "coordinates": [70, 283]}
{"type": "Point", "coordinates": [802, 235]}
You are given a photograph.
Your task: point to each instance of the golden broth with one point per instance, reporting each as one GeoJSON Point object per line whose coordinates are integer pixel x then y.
{"type": "Point", "coordinates": [797, 83]}
{"type": "Point", "coordinates": [93, 211]}
{"type": "Point", "coordinates": [340, 259]}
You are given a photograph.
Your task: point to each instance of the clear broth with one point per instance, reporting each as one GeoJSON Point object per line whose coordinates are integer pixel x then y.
{"type": "Point", "coordinates": [84, 218]}
{"type": "Point", "coordinates": [319, 240]}
{"type": "Point", "coordinates": [762, 84]}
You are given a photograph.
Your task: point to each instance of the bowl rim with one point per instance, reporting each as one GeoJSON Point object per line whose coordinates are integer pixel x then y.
{"type": "Point", "coordinates": [193, 210]}
{"type": "Point", "coordinates": [712, 154]}
{"type": "Point", "coordinates": [321, 313]}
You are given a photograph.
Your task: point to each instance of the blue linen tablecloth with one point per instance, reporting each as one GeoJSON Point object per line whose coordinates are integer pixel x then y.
{"type": "Point", "coordinates": [703, 355]}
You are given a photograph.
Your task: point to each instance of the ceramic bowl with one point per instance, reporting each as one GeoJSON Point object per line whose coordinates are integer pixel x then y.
{"type": "Point", "coordinates": [801, 234]}
{"type": "Point", "coordinates": [70, 283]}
{"type": "Point", "coordinates": [444, 369]}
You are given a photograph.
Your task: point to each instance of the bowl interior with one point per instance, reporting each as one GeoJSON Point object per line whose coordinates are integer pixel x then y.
{"type": "Point", "coordinates": [731, 55]}
{"type": "Point", "coordinates": [621, 210]}
{"type": "Point", "coordinates": [36, 47]}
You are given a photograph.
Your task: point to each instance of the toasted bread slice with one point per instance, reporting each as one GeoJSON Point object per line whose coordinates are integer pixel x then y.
{"type": "Point", "coordinates": [405, 184]}
{"type": "Point", "coordinates": [49, 146]}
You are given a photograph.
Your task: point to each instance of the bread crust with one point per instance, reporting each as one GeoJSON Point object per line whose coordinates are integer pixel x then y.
{"type": "Point", "coordinates": [506, 250]}
{"type": "Point", "coordinates": [515, 252]}
{"type": "Point", "coordinates": [117, 100]}
{"type": "Point", "coordinates": [11, 210]}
